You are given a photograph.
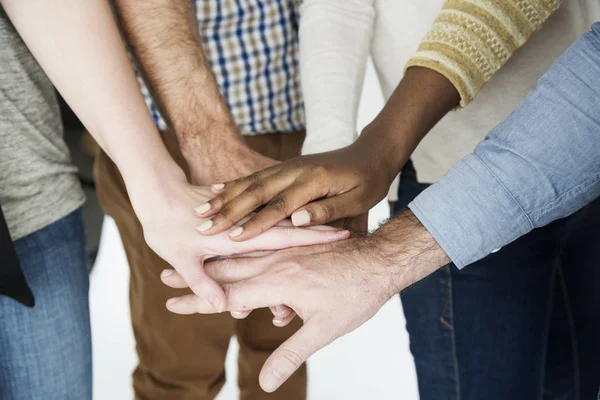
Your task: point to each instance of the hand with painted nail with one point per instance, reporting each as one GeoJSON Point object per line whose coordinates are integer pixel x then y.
{"type": "Point", "coordinates": [334, 288]}
{"type": "Point", "coordinates": [167, 217]}
{"type": "Point", "coordinates": [313, 190]}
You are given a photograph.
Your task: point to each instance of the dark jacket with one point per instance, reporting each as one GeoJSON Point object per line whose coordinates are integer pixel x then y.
{"type": "Point", "coordinates": [12, 280]}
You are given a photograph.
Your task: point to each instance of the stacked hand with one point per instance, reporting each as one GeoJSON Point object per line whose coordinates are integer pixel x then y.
{"type": "Point", "coordinates": [170, 225]}
{"type": "Point", "coordinates": [334, 288]}
{"type": "Point", "coordinates": [327, 286]}
{"type": "Point", "coordinates": [313, 190]}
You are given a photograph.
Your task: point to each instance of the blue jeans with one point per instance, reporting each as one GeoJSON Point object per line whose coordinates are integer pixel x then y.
{"type": "Point", "coordinates": [522, 323]}
{"type": "Point", "coordinates": [46, 351]}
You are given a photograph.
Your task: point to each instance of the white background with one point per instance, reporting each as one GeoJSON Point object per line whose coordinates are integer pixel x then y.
{"type": "Point", "coordinates": [373, 362]}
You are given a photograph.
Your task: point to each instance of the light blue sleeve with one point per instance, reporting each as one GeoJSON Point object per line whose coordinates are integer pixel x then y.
{"type": "Point", "coordinates": [541, 164]}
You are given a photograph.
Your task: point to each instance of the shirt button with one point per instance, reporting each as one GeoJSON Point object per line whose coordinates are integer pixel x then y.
{"type": "Point", "coordinates": [496, 250]}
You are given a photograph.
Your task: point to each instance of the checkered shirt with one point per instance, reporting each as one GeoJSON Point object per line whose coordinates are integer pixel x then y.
{"type": "Point", "coordinates": [252, 46]}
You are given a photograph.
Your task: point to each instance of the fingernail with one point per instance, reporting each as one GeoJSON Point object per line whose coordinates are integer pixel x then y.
{"type": "Point", "coordinates": [216, 304]}
{"type": "Point", "coordinates": [236, 232]}
{"type": "Point", "coordinates": [172, 301]}
{"type": "Point", "coordinates": [206, 225]}
{"type": "Point", "coordinates": [201, 209]}
{"type": "Point", "coordinates": [271, 381]}
{"type": "Point", "coordinates": [218, 186]}
{"type": "Point", "coordinates": [236, 312]}
{"type": "Point", "coordinates": [166, 273]}
{"type": "Point", "coordinates": [301, 218]}
{"type": "Point", "coordinates": [277, 321]}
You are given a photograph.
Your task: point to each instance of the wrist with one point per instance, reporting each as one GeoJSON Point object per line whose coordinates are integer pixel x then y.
{"type": "Point", "coordinates": [150, 183]}
{"type": "Point", "coordinates": [208, 138]}
{"type": "Point", "coordinates": [404, 252]}
{"type": "Point", "coordinates": [379, 147]}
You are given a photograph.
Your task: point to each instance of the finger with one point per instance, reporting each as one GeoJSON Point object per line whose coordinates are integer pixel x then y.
{"type": "Point", "coordinates": [292, 354]}
{"type": "Point", "coordinates": [240, 314]}
{"type": "Point", "coordinates": [190, 304]}
{"type": "Point", "coordinates": [254, 293]}
{"type": "Point", "coordinates": [242, 296]}
{"type": "Point", "coordinates": [255, 195]}
{"type": "Point", "coordinates": [282, 238]}
{"type": "Point", "coordinates": [327, 210]}
{"type": "Point", "coordinates": [283, 315]}
{"type": "Point", "coordinates": [227, 191]}
{"type": "Point", "coordinates": [279, 207]}
{"type": "Point", "coordinates": [171, 278]}
{"type": "Point", "coordinates": [204, 287]}
{"type": "Point", "coordinates": [233, 270]}
{"type": "Point", "coordinates": [281, 311]}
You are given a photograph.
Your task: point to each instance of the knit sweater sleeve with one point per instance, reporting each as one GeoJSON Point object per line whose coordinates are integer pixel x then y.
{"type": "Point", "coordinates": [471, 39]}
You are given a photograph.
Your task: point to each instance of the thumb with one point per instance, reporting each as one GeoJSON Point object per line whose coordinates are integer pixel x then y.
{"type": "Point", "coordinates": [292, 354]}
{"type": "Point", "coordinates": [203, 286]}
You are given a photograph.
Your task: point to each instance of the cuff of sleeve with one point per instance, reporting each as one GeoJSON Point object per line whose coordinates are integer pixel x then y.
{"type": "Point", "coordinates": [470, 213]}
{"type": "Point", "coordinates": [465, 87]}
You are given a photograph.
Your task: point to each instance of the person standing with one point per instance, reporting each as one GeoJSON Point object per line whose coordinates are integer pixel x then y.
{"type": "Point", "coordinates": [41, 200]}
{"type": "Point", "coordinates": [221, 80]}
{"type": "Point", "coordinates": [46, 350]}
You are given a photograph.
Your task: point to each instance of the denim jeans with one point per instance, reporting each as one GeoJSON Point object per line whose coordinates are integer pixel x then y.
{"type": "Point", "coordinates": [46, 351]}
{"type": "Point", "coordinates": [522, 323]}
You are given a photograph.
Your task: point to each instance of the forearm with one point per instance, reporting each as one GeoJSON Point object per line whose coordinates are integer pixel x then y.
{"type": "Point", "coordinates": [420, 101]}
{"type": "Point", "coordinates": [404, 252]}
{"type": "Point", "coordinates": [88, 65]}
{"type": "Point", "coordinates": [165, 41]}
{"type": "Point", "coordinates": [461, 52]}
{"type": "Point", "coordinates": [540, 164]}
{"type": "Point", "coordinates": [335, 38]}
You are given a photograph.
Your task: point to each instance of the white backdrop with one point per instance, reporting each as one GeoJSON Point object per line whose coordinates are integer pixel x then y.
{"type": "Point", "coordinates": [373, 362]}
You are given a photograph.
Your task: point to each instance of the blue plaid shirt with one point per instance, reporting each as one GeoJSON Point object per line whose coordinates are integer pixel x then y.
{"type": "Point", "coordinates": [252, 46]}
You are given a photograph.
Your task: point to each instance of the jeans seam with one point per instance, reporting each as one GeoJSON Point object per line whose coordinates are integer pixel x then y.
{"type": "Point", "coordinates": [449, 309]}
{"type": "Point", "coordinates": [542, 383]}
{"type": "Point", "coordinates": [569, 311]}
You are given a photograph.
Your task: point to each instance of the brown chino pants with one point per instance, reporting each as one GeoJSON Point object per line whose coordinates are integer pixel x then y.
{"type": "Point", "coordinates": [182, 357]}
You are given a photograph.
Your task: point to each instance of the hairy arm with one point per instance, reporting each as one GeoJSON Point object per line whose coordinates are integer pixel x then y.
{"type": "Point", "coordinates": [333, 288]}
{"type": "Point", "coordinates": [164, 38]}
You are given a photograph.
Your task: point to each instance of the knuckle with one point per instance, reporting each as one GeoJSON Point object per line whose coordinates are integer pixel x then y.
{"type": "Point", "coordinates": [293, 357]}
{"type": "Point", "coordinates": [217, 269]}
{"type": "Point", "coordinates": [225, 217]}
{"type": "Point", "coordinates": [278, 204]}
{"type": "Point", "coordinates": [252, 178]}
{"type": "Point", "coordinates": [327, 211]}
{"type": "Point", "coordinates": [228, 290]}
{"type": "Point", "coordinates": [255, 223]}
{"type": "Point", "coordinates": [256, 188]}
{"type": "Point", "coordinates": [219, 199]}
{"type": "Point", "coordinates": [318, 170]}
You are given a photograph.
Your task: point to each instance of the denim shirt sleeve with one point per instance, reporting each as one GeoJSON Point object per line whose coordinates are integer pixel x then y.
{"type": "Point", "coordinates": [540, 164]}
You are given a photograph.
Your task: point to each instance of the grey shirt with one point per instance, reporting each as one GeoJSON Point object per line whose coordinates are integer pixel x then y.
{"type": "Point", "coordinates": [38, 183]}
